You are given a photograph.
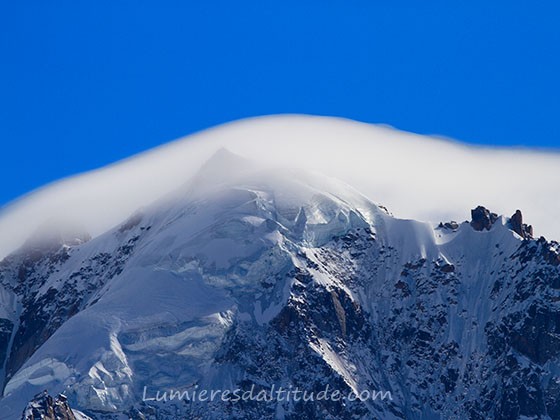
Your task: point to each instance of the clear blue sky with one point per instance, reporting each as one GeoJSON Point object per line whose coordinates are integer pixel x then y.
{"type": "Point", "coordinates": [84, 84]}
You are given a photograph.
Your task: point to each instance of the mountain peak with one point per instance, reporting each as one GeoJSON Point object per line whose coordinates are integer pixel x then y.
{"type": "Point", "coordinates": [221, 166]}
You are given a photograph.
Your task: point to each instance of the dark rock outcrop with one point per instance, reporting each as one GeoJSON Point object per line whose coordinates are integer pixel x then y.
{"type": "Point", "coordinates": [45, 407]}
{"type": "Point", "coordinates": [482, 218]}
{"type": "Point", "coordinates": [517, 225]}
{"type": "Point", "coordinates": [452, 225]}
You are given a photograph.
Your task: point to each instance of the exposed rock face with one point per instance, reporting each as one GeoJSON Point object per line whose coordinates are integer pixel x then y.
{"type": "Point", "coordinates": [45, 407]}
{"type": "Point", "coordinates": [482, 218]}
{"type": "Point", "coordinates": [517, 225]}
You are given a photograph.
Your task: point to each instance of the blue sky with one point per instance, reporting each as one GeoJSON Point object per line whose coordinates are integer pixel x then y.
{"type": "Point", "coordinates": [84, 84]}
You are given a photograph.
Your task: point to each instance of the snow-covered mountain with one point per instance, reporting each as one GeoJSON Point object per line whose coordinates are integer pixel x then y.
{"type": "Point", "coordinates": [417, 177]}
{"type": "Point", "coordinates": [251, 277]}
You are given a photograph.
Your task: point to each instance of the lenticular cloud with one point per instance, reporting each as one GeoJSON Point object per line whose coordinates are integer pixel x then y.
{"type": "Point", "coordinates": [415, 176]}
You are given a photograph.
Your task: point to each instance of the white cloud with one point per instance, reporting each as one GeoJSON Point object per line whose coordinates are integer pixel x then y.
{"type": "Point", "coordinates": [415, 176]}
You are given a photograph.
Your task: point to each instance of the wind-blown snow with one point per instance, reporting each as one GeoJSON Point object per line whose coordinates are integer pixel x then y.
{"type": "Point", "coordinates": [414, 176]}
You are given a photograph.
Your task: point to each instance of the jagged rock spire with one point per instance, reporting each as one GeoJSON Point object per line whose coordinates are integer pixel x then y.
{"type": "Point", "coordinates": [517, 225]}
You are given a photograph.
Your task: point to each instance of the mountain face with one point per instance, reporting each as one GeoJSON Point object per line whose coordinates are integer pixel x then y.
{"type": "Point", "coordinates": [249, 279]}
